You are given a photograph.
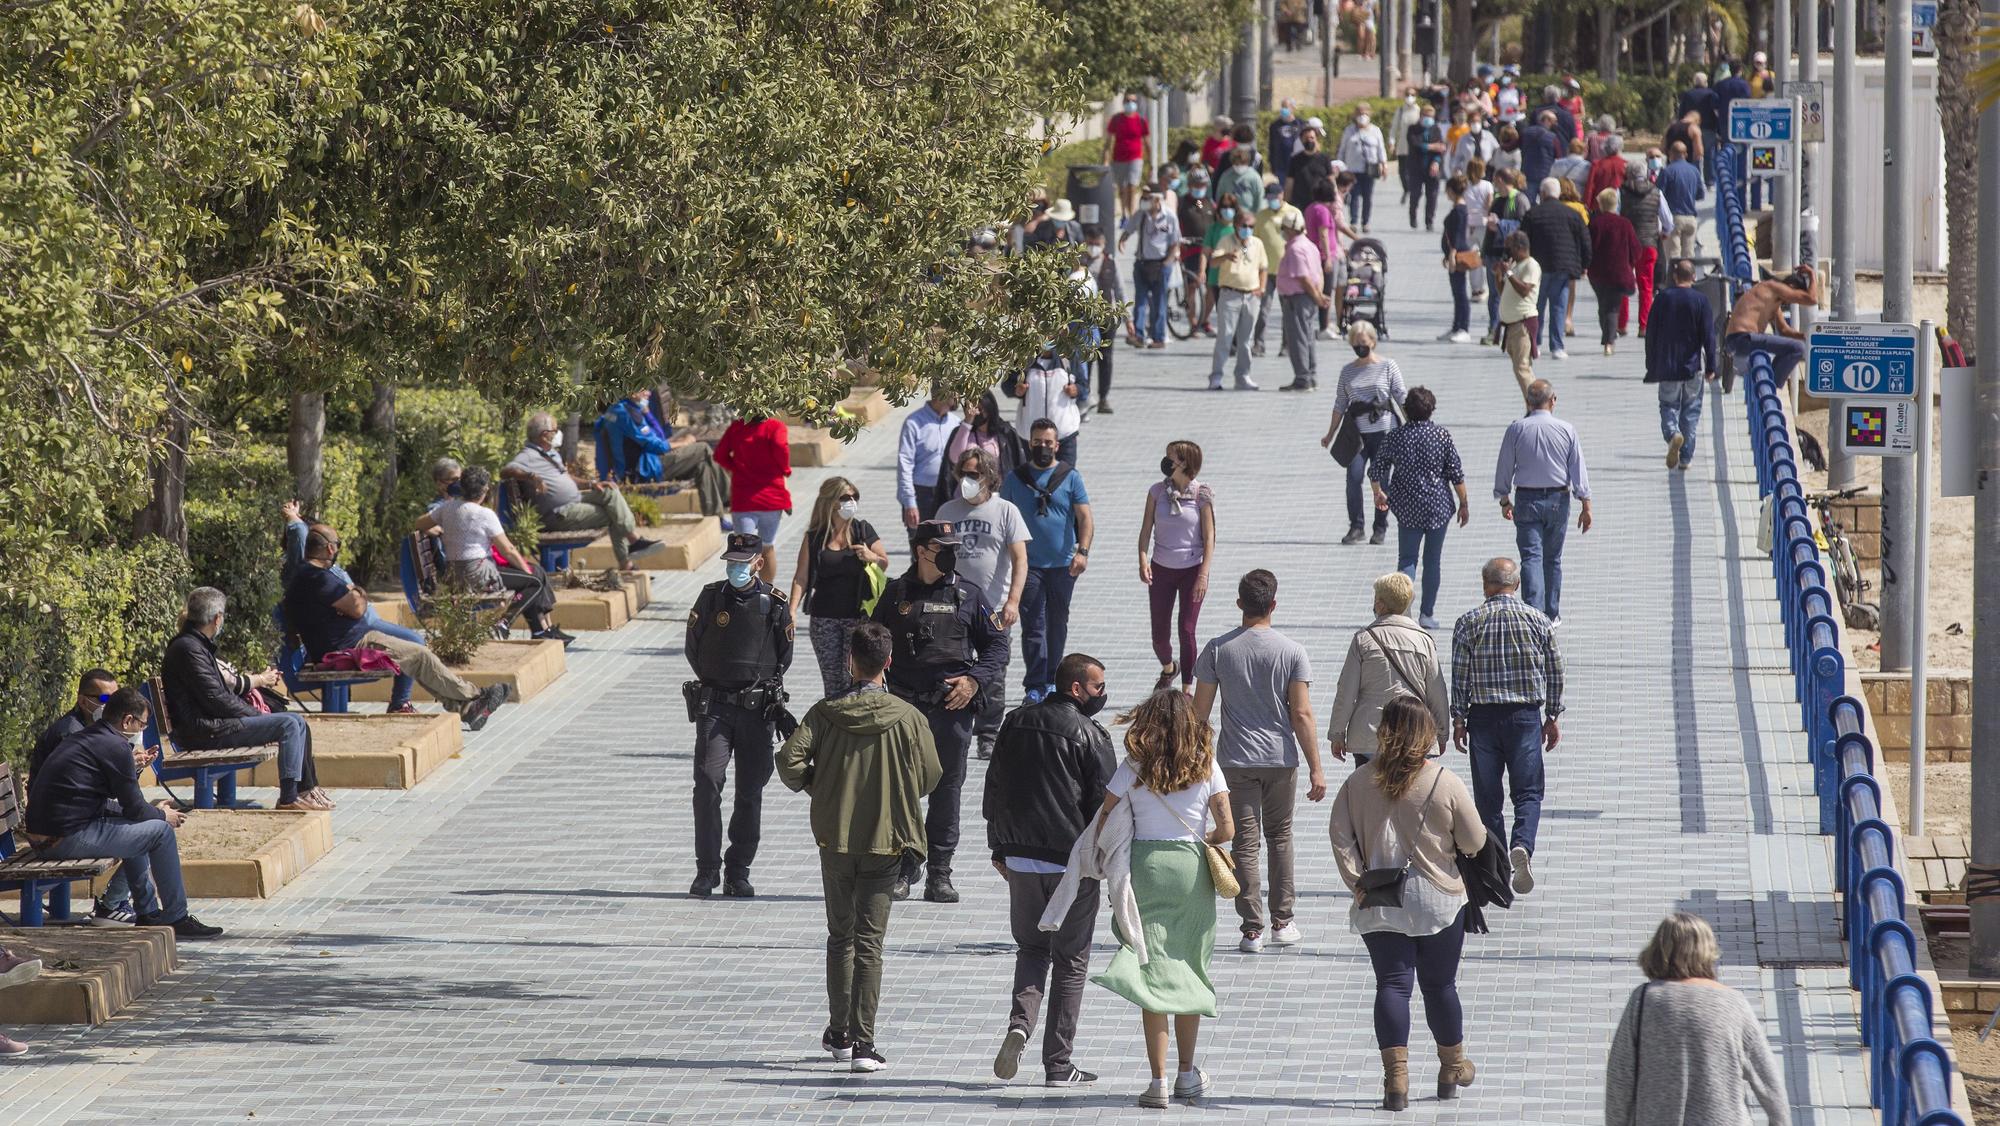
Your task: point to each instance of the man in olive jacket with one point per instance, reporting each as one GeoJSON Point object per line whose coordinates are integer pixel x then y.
{"type": "Point", "coordinates": [867, 759]}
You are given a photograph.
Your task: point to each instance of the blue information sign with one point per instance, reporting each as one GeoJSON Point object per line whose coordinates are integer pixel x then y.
{"type": "Point", "coordinates": [1862, 361]}
{"type": "Point", "coordinates": [1760, 120]}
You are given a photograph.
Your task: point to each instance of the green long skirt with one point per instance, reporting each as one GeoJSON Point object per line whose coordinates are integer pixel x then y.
{"type": "Point", "coordinates": [1177, 909]}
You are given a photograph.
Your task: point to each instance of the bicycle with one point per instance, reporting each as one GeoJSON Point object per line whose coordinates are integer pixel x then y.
{"type": "Point", "coordinates": [1188, 309]}
{"type": "Point", "coordinates": [1847, 578]}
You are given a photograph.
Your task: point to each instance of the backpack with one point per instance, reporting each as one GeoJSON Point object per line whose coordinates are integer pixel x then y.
{"type": "Point", "coordinates": [1025, 473]}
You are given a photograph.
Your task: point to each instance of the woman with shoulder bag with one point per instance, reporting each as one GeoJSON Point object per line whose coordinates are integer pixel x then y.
{"type": "Point", "coordinates": [1176, 791]}
{"type": "Point", "coordinates": [1365, 402]}
{"type": "Point", "coordinates": [831, 580]}
{"type": "Point", "coordinates": [1389, 657]}
{"type": "Point", "coordinates": [1461, 260]}
{"type": "Point", "coordinates": [1415, 471]}
{"type": "Point", "coordinates": [1397, 829]}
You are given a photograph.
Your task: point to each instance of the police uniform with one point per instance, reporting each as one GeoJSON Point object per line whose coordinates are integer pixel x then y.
{"type": "Point", "coordinates": [740, 644]}
{"type": "Point", "coordinates": [942, 630]}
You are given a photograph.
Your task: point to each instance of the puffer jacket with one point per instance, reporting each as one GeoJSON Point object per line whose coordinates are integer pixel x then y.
{"type": "Point", "coordinates": [867, 759]}
{"type": "Point", "coordinates": [199, 700]}
{"type": "Point", "coordinates": [1046, 780]}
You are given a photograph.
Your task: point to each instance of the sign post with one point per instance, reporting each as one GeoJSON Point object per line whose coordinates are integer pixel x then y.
{"type": "Point", "coordinates": [1919, 631]}
{"type": "Point", "coordinates": [1812, 108]}
{"type": "Point", "coordinates": [1862, 360]}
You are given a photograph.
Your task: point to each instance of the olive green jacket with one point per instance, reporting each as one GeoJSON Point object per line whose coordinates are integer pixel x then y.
{"type": "Point", "coordinates": [867, 759]}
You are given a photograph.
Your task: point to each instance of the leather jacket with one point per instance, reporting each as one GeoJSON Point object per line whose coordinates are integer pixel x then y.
{"type": "Point", "coordinates": [1046, 780]}
{"type": "Point", "coordinates": [199, 700]}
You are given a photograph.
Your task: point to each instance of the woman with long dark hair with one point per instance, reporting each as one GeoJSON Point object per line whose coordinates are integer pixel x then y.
{"type": "Point", "coordinates": [830, 580]}
{"type": "Point", "coordinates": [1176, 542]}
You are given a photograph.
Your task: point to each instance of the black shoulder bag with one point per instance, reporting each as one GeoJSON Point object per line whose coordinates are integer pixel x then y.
{"type": "Point", "coordinates": [1383, 887]}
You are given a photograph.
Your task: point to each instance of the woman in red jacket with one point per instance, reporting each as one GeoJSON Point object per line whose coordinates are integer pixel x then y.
{"type": "Point", "coordinates": [757, 451]}
{"type": "Point", "coordinates": [1614, 261]}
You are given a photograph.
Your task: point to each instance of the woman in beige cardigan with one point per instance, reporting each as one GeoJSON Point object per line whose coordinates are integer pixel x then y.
{"type": "Point", "coordinates": [1406, 814]}
{"type": "Point", "coordinates": [1389, 657]}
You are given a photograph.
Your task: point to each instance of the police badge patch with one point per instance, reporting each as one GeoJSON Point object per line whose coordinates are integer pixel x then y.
{"type": "Point", "coordinates": [722, 620]}
{"type": "Point", "coordinates": [902, 609]}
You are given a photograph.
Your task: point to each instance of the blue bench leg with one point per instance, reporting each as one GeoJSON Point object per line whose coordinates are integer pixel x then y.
{"type": "Point", "coordinates": [204, 789]}
{"type": "Point", "coordinates": [225, 789]}
{"type": "Point", "coordinates": [333, 698]}
{"type": "Point", "coordinates": [59, 901]}
{"type": "Point", "coordinates": [31, 904]}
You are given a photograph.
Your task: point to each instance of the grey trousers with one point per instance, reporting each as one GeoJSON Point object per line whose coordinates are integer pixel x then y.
{"type": "Point", "coordinates": [602, 507]}
{"type": "Point", "coordinates": [1301, 319]}
{"type": "Point", "coordinates": [1235, 318]}
{"type": "Point", "coordinates": [1066, 950]}
{"type": "Point", "coordinates": [1261, 799]}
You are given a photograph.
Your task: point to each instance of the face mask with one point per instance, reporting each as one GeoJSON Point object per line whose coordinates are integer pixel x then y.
{"type": "Point", "coordinates": [1475, 127]}
{"type": "Point", "coordinates": [1285, 113]}
{"type": "Point", "coordinates": [1409, 99]}
{"type": "Point", "coordinates": [1272, 203]}
{"type": "Point", "coordinates": [1091, 705]}
{"type": "Point", "coordinates": [555, 440]}
{"type": "Point", "coordinates": [453, 490]}
{"type": "Point", "coordinates": [947, 559]}
{"type": "Point", "coordinates": [739, 573]}
{"type": "Point", "coordinates": [1175, 186]}
{"type": "Point", "coordinates": [1243, 233]}
{"type": "Point", "coordinates": [1095, 252]}
{"type": "Point", "coordinates": [1131, 107]}
{"type": "Point", "coordinates": [1361, 349]}
{"type": "Point", "coordinates": [1429, 121]}
{"type": "Point", "coordinates": [94, 711]}
{"type": "Point", "coordinates": [1653, 163]}
{"type": "Point", "coordinates": [1042, 456]}
{"type": "Point", "coordinates": [1199, 193]}
{"type": "Point", "coordinates": [968, 487]}
{"type": "Point", "coordinates": [1167, 467]}
{"type": "Point", "coordinates": [1361, 122]}
{"type": "Point", "coordinates": [848, 509]}
{"type": "Point", "coordinates": [1227, 212]}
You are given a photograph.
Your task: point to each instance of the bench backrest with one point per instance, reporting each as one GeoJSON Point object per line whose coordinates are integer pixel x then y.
{"type": "Point", "coordinates": [10, 802]}
{"type": "Point", "coordinates": [156, 695]}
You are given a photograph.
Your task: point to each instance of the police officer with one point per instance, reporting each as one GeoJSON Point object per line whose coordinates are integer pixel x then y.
{"type": "Point", "coordinates": [947, 649]}
{"type": "Point", "coordinates": [739, 640]}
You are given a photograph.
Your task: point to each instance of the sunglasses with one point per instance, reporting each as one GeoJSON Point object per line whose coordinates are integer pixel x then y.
{"type": "Point", "coordinates": [104, 698]}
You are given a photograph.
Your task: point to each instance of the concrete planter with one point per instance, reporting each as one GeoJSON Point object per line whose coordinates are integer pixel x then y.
{"type": "Point", "coordinates": [529, 666]}
{"type": "Point", "coordinates": [375, 752]}
{"type": "Point", "coordinates": [685, 543]}
{"type": "Point", "coordinates": [250, 853]}
{"type": "Point", "coordinates": [105, 969]}
{"type": "Point", "coordinates": [592, 609]}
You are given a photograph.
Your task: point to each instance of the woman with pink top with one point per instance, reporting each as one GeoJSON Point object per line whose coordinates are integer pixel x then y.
{"type": "Point", "coordinates": [1176, 542]}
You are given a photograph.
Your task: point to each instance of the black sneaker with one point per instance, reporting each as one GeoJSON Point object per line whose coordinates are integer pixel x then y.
{"type": "Point", "coordinates": [484, 705]}
{"type": "Point", "coordinates": [555, 633]}
{"type": "Point", "coordinates": [985, 750]}
{"type": "Point", "coordinates": [738, 887]}
{"type": "Point", "coordinates": [900, 890]}
{"type": "Point", "coordinates": [704, 884]}
{"type": "Point", "coordinates": [866, 1058]}
{"type": "Point", "coordinates": [836, 1044]}
{"type": "Point", "coordinates": [187, 926]}
{"type": "Point", "coordinates": [640, 543]}
{"type": "Point", "coordinates": [1103, 407]}
{"type": "Point", "coordinates": [1071, 1076]}
{"type": "Point", "coordinates": [1353, 537]}
{"type": "Point", "coordinates": [1381, 535]}
{"type": "Point", "coordinates": [122, 913]}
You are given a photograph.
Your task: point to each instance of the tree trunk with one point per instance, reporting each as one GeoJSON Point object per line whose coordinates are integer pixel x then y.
{"type": "Point", "coordinates": [303, 445]}
{"type": "Point", "coordinates": [166, 516]}
{"type": "Point", "coordinates": [1267, 23]}
{"type": "Point", "coordinates": [1607, 43]}
{"type": "Point", "coordinates": [380, 420]}
{"type": "Point", "coordinates": [1462, 33]}
{"type": "Point", "coordinates": [1958, 55]}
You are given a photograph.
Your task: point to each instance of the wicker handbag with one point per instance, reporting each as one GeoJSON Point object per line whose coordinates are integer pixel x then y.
{"type": "Point", "coordinates": [1221, 867]}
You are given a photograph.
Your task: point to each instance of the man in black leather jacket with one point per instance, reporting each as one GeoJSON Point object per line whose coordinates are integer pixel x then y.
{"type": "Point", "coordinates": [1045, 783]}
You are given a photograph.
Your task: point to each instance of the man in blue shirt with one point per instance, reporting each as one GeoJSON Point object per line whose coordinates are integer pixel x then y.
{"type": "Point", "coordinates": [636, 444]}
{"type": "Point", "coordinates": [1052, 500]}
{"type": "Point", "coordinates": [1541, 144]}
{"type": "Point", "coordinates": [1680, 185]}
{"type": "Point", "coordinates": [1540, 468]}
{"type": "Point", "coordinates": [919, 454]}
{"type": "Point", "coordinates": [1680, 357]}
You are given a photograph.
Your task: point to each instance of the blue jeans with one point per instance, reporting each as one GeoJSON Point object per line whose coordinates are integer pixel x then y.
{"type": "Point", "coordinates": [1507, 739]}
{"type": "Point", "coordinates": [1680, 413]}
{"type": "Point", "coordinates": [1045, 598]}
{"type": "Point", "coordinates": [1553, 304]}
{"type": "Point", "coordinates": [1541, 520]}
{"type": "Point", "coordinates": [1786, 353]}
{"type": "Point", "coordinates": [1431, 540]}
{"type": "Point", "coordinates": [1149, 307]}
{"type": "Point", "coordinates": [287, 729]}
{"type": "Point", "coordinates": [1357, 472]}
{"type": "Point", "coordinates": [1494, 286]}
{"type": "Point", "coordinates": [1086, 370]}
{"type": "Point", "coordinates": [1461, 301]}
{"type": "Point", "coordinates": [152, 861]}
{"type": "Point", "coordinates": [401, 687]}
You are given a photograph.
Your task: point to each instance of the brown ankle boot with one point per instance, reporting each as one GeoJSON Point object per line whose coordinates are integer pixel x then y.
{"type": "Point", "coordinates": [1395, 1079]}
{"type": "Point", "coordinates": [1454, 1070]}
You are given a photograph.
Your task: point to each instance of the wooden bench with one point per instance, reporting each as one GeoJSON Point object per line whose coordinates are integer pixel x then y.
{"type": "Point", "coordinates": [213, 771]}
{"type": "Point", "coordinates": [554, 547]}
{"type": "Point", "coordinates": [304, 678]}
{"type": "Point", "coordinates": [21, 867]}
{"type": "Point", "coordinates": [419, 574]}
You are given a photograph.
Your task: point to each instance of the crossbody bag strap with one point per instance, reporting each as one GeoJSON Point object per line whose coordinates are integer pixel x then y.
{"type": "Point", "coordinates": [1395, 665]}
{"type": "Point", "coordinates": [1200, 838]}
{"type": "Point", "coordinates": [1408, 848]}
{"type": "Point", "coordinates": [1638, 1031]}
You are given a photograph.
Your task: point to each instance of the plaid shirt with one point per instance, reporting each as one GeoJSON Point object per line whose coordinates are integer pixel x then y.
{"type": "Point", "coordinates": [1505, 653]}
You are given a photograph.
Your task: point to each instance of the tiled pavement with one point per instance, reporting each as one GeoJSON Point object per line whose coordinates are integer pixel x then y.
{"type": "Point", "coordinates": [509, 941]}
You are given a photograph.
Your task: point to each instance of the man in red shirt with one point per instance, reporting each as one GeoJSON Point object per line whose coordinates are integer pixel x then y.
{"type": "Point", "coordinates": [1125, 151]}
{"type": "Point", "coordinates": [1217, 142]}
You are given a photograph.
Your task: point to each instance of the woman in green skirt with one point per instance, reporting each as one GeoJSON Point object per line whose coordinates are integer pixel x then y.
{"type": "Point", "coordinates": [1172, 789]}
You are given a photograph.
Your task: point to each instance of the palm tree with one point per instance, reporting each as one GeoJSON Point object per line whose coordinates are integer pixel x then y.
{"type": "Point", "coordinates": [1964, 87]}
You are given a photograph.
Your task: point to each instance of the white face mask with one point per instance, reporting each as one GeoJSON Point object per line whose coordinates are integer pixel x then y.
{"type": "Point", "coordinates": [555, 440]}
{"type": "Point", "coordinates": [968, 487]}
{"type": "Point", "coordinates": [849, 509]}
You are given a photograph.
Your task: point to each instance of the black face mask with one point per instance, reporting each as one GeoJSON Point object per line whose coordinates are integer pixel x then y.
{"type": "Point", "coordinates": [1361, 349]}
{"type": "Point", "coordinates": [1091, 705]}
{"type": "Point", "coordinates": [1166, 467]}
{"type": "Point", "coordinates": [1042, 456]}
{"type": "Point", "coordinates": [947, 559]}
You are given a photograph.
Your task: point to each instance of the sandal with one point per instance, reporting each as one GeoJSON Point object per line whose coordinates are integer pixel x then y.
{"type": "Point", "coordinates": [1168, 672]}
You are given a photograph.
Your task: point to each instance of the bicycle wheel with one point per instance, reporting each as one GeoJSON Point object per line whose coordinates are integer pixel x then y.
{"type": "Point", "coordinates": [1178, 323]}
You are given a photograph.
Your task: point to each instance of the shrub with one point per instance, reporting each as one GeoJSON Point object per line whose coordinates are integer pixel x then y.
{"type": "Point", "coordinates": [645, 509]}
{"type": "Point", "coordinates": [459, 623]}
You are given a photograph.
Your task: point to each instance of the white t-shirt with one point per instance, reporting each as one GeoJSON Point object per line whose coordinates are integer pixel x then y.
{"type": "Point", "coordinates": [469, 530]}
{"type": "Point", "coordinates": [1151, 820]}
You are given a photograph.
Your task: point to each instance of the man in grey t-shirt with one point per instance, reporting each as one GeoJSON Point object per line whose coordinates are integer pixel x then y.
{"type": "Point", "coordinates": [993, 556]}
{"type": "Point", "coordinates": [1266, 685]}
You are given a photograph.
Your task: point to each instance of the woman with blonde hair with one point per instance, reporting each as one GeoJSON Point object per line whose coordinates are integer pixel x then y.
{"type": "Point", "coordinates": [1179, 804]}
{"type": "Point", "coordinates": [1398, 827]}
{"type": "Point", "coordinates": [1689, 1048]}
{"type": "Point", "coordinates": [830, 580]}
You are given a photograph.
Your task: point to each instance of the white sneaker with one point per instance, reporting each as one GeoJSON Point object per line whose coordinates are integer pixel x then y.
{"type": "Point", "coordinates": [1008, 1062]}
{"type": "Point", "coordinates": [1560, 353]}
{"type": "Point", "coordinates": [1524, 873]}
{"type": "Point", "coordinates": [1251, 944]}
{"type": "Point", "coordinates": [1460, 337]}
{"type": "Point", "coordinates": [1447, 334]}
{"type": "Point", "coordinates": [1287, 935]}
{"type": "Point", "coordinates": [1191, 1085]}
{"type": "Point", "coordinates": [1154, 1097]}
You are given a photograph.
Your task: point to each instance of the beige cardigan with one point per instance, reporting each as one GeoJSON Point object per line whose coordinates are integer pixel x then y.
{"type": "Point", "coordinates": [1450, 824]}
{"type": "Point", "coordinates": [1368, 682]}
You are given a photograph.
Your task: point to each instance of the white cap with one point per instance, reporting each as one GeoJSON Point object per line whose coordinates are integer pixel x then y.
{"type": "Point", "coordinates": [1760, 58]}
{"type": "Point", "coordinates": [1315, 123]}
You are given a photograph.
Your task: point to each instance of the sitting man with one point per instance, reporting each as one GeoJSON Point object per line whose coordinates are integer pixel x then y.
{"type": "Point", "coordinates": [208, 702]}
{"type": "Point", "coordinates": [93, 690]}
{"type": "Point", "coordinates": [1762, 307]}
{"type": "Point", "coordinates": [639, 445]}
{"type": "Point", "coordinates": [67, 820]}
{"type": "Point", "coordinates": [295, 542]}
{"type": "Point", "coordinates": [566, 503]}
{"type": "Point", "coordinates": [329, 614]}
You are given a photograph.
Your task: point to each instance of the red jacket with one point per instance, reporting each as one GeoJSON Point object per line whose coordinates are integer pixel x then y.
{"type": "Point", "coordinates": [758, 456]}
{"type": "Point", "coordinates": [1608, 171]}
{"type": "Point", "coordinates": [1614, 252]}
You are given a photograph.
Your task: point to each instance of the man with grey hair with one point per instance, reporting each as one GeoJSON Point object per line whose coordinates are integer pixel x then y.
{"type": "Point", "coordinates": [1506, 696]}
{"type": "Point", "coordinates": [209, 703]}
{"type": "Point", "coordinates": [569, 503]}
{"type": "Point", "coordinates": [1560, 242]}
{"type": "Point", "coordinates": [1540, 468]}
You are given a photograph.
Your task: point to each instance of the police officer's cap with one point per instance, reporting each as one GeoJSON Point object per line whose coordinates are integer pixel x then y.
{"type": "Point", "coordinates": [934, 531]}
{"type": "Point", "coordinates": [743, 547]}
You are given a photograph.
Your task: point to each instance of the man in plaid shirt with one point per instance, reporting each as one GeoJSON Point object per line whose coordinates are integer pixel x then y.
{"type": "Point", "coordinates": [1506, 675]}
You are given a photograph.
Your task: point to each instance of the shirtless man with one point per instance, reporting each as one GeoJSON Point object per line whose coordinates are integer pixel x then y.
{"type": "Point", "coordinates": [1762, 306]}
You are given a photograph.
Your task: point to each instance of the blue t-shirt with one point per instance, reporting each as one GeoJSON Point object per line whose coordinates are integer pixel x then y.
{"type": "Point", "coordinates": [309, 611]}
{"type": "Point", "coordinates": [1054, 531]}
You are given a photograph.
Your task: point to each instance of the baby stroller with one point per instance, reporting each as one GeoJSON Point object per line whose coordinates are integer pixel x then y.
{"type": "Point", "coordinates": [1366, 286]}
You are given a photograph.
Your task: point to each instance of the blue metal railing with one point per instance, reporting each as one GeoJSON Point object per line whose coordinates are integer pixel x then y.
{"type": "Point", "coordinates": [1910, 1071]}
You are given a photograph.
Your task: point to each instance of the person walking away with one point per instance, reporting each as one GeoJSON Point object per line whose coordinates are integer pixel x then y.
{"type": "Point", "coordinates": [1414, 472]}
{"type": "Point", "coordinates": [1504, 213]}
{"type": "Point", "coordinates": [1048, 390]}
{"type": "Point", "coordinates": [1265, 680]}
{"type": "Point", "coordinates": [1680, 186]}
{"type": "Point", "coordinates": [1541, 146]}
{"type": "Point", "coordinates": [1457, 244]}
{"type": "Point", "coordinates": [1241, 273]}
{"type": "Point", "coordinates": [1178, 800]}
{"type": "Point", "coordinates": [1680, 358]}
{"type": "Point", "coordinates": [757, 451]}
{"type": "Point", "coordinates": [1507, 155]}
{"type": "Point", "coordinates": [1423, 165]}
{"type": "Point", "coordinates": [739, 642]}
{"type": "Point", "coordinates": [920, 449]}
{"type": "Point", "coordinates": [1506, 677]}
{"type": "Point", "coordinates": [1370, 388]}
{"type": "Point", "coordinates": [1541, 466]}
{"type": "Point", "coordinates": [1390, 657]}
{"type": "Point", "coordinates": [1363, 152]}
{"type": "Point", "coordinates": [1573, 166]}
{"type": "Point", "coordinates": [1270, 231]}
{"type": "Point", "coordinates": [1125, 137]}
{"type": "Point", "coordinates": [1761, 307]}
{"type": "Point", "coordinates": [1688, 1048]}
{"type": "Point", "coordinates": [1158, 231]}
{"type": "Point", "coordinates": [1518, 280]}
{"type": "Point", "coordinates": [1614, 267]}
{"type": "Point", "coordinates": [1687, 132]}
{"type": "Point", "coordinates": [1217, 142]}
{"type": "Point", "coordinates": [1300, 271]}
{"type": "Point", "coordinates": [1575, 203]}
{"type": "Point", "coordinates": [830, 580]}
{"type": "Point", "coordinates": [1640, 202]}
{"type": "Point", "coordinates": [1560, 244]}
{"type": "Point", "coordinates": [1405, 815]}
{"type": "Point", "coordinates": [1055, 509]}
{"type": "Point", "coordinates": [949, 647]}
{"type": "Point", "coordinates": [992, 555]}
{"type": "Point", "coordinates": [1103, 267]}
{"type": "Point", "coordinates": [866, 759]}
{"type": "Point", "coordinates": [1325, 227]}
{"type": "Point", "coordinates": [1046, 781]}
{"type": "Point", "coordinates": [1608, 170]}
{"type": "Point", "coordinates": [1176, 543]}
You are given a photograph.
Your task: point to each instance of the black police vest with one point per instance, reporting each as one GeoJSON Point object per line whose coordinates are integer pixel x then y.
{"type": "Point", "coordinates": [933, 633]}
{"type": "Point", "coordinates": [739, 646]}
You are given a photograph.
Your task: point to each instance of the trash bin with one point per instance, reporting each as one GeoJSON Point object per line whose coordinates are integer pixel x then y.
{"type": "Point", "coordinates": [1091, 191]}
{"type": "Point", "coordinates": [1715, 285]}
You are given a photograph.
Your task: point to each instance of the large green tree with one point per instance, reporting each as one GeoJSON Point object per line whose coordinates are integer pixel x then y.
{"type": "Point", "coordinates": [1118, 45]}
